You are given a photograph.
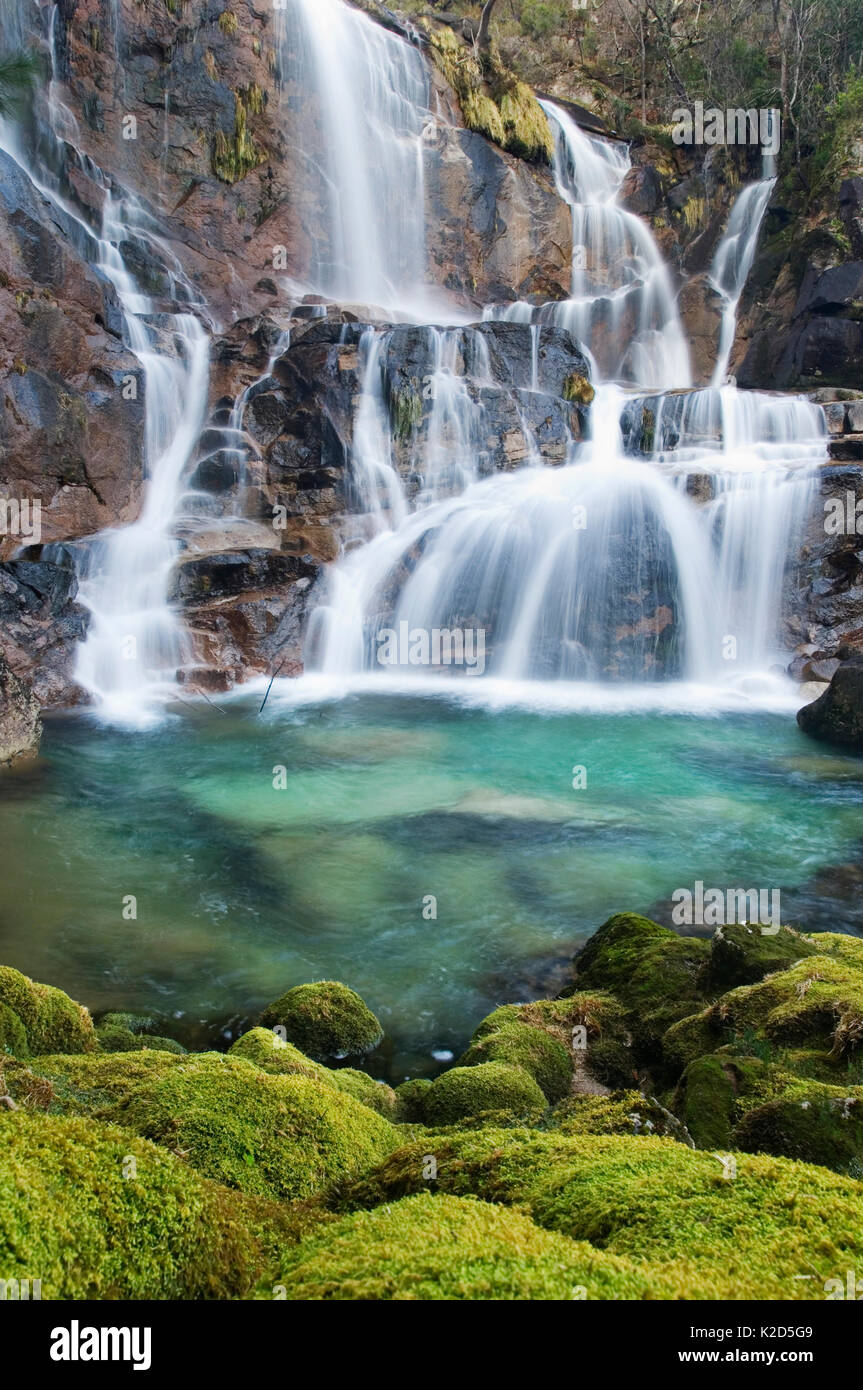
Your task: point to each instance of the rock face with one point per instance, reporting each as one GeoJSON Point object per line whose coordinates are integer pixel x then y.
{"type": "Point", "coordinates": [837, 715]}
{"type": "Point", "coordinates": [20, 725]}
{"type": "Point", "coordinates": [825, 589]}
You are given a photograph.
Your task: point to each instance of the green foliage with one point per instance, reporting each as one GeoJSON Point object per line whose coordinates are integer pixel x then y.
{"type": "Point", "coordinates": [448, 1248]}
{"type": "Point", "coordinates": [325, 1020]}
{"type": "Point", "coordinates": [493, 100]}
{"type": "Point", "coordinates": [51, 1020]}
{"type": "Point", "coordinates": [235, 156]}
{"type": "Point", "coordinates": [540, 18]}
{"type": "Point", "coordinates": [19, 73]}
{"type": "Point", "coordinates": [98, 1214]}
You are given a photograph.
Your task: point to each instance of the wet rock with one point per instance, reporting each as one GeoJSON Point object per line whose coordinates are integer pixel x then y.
{"type": "Point", "coordinates": [20, 724]}
{"type": "Point", "coordinates": [700, 307]}
{"type": "Point", "coordinates": [41, 624]}
{"type": "Point", "coordinates": [837, 715]}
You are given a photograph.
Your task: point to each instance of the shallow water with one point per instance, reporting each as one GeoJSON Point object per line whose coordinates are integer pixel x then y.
{"type": "Point", "coordinates": [244, 889]}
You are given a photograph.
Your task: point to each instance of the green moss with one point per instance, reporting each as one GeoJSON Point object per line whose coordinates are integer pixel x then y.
{"type": "Point", "coordinates": [741, 955]}
{"type": "Point", "coordinates": [812, 1121]}
{"type": "Point", "coordinates": [706, 1102]}
{"type": "Point", "coordinates": [668, 1208]}
{"type": "Point", "coordinates": [375, 1094]}
{"type": "Point", "coordinates": [112, 1038]}
{"type": "Point", "coordinates": [448, 1248]}
{"type": "Point", "coordinates": [52, 1021]}
{"type": "Point", "coordinates": [620, 1112]}
{"type": "Point", "coordinates": [493, 101]}
{"type": "Point", "coordinates": [98, 1214]}
{"type": "Point", "coordinates": [690, 1038]}
{"type": "Point", "coordinates": [325, 1020]}
{"type": "Point", "coordinates": [228, 23]}
{"type": "Point", "coordinates": [134, 1023]}
{"type": "Point", "coordinates": [578, 388]}
{"type": "Point", "coordinates": [89, 1084]}
{"type": "Point", "coordinates": [13, 1035]}
{"type": "Point", "coordinates": [816, 1003]}
{"type": "Point", "coordinates": [273, 1136]}
{"type": "Point", "coordinates": [410, 1100]}
{"type": "Point", "coordinates": [533, 1049]}
{"type": "Point", "coordinates": [465, 1091]}
{"type": "Point", "coordinates": [270, 1052]}
{"type": "Point", "coordinates": [653, 971]}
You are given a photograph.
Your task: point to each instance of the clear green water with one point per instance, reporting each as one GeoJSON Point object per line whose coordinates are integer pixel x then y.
{"type": "Point", "coordinates": [244, 890]}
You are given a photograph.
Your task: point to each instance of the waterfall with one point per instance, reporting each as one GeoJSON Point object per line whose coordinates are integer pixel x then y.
{"type": "Point", "coordinates": [622, 305]}
{"type": "Point", "coordinates": [135, 642]}
{"type": "Point", "coordinates": [734, 256]}
{"type": "Point", "coordinates": [364, 102]}
{"type": "Point", "coordinates": [655, 556]}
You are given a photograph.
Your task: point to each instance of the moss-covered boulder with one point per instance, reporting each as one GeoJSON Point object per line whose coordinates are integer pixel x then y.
{"type": "Point", "coordinates": [270, 1052]}
{"type": "Point", "coordinates": [699, 1227]}
{"type": "Point", "coordinates": [274, 1136]}
{"type": "Point", "coordinates": [619, 1112]}
{"type": "Point", "coordinates": [742, 955]}
{"type": "Point", "coordinates": [534, 1049]}
{"type": "Point", "coordinates": [52, 1021]}
{"type": "Point", "coordinates": [811, 1121]}
{"type": "Point", "coordinates": [112, 1038]}
{"type": "Point", "coordinates": [817, 1003]}
{"type": "Point", "coordinates": [13, 1034]}
{"type": "Point", "coordinates": [324, 1020]}
{"type": "Point", "coordinates": [98, 1214]}
{"type": "Point", "coordinates": [714, 1091]}
{"type": "Point", "coordinates": [410, 1100]}
{"type": "Point", "coordinates": [85, 1084]}
{"type": "Point", "coordinates": [377, 1095]}
{"type": "Point", "coordinates": [482, 1089]}
{"type": "Point", "coordinates": [448, 1248]}
{"type": "Point", "coordinates": [649, 968]}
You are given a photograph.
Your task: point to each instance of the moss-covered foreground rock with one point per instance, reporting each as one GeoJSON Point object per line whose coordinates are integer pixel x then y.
{"type": "Point", "coordinates": [274, 1136]}
{"type": "Point", "coordinates": [471, 1091]}
{"type": "Point", "coordinates": [695, 1232]}
{"type": "Point", "coordinates": [449, 1248]}
{"type": "Point", "coordinates": [98, 1214]}
{"type": "Point", "coordinates": [52, 1022]}
{"type": "Point", "coordinates": [324, 1020]}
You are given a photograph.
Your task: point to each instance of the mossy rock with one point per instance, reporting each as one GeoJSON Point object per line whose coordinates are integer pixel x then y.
{"type": "Point", "coordinates": [533, 1049]}
{"type": "Point", "coordinates": [273, 1136]}
{"type": "Point", "coordinates": [85, 1084]}
{"type": "Point", "coordinates": [270, 1052]}
{"type": "Point", "coordinates": [377, 1095]}
{"type": "Point", "coordinates": [620, 1112]}
{"type": "Point", "coordinates": [325, 1020]}
{"type": "Point", "coordinates": [410, 1100]}
{"type": "Point", "coordinates": [742, 955]}
{"type": "Point", "coordinates": [134, 1023]}
{"type": "Point", "coordinates": [668, 1208]}
{"type": "Point", "coordinates": [493, 101]}
{"type": "Point", "coordinates": [817, 1003]}
{"type": "Point", "coordinates": [13, 1034]}
{"type": "Point", "coordinates": [471, 1091]}
{"type": "Point", "coordinates": [812, 1121]}
{"type": "Point", "coordinates": [452, 1249]}
{"type": "Point", "coordinates": [578, 389]}
{"type": "Point", "coordinates": [112, 1038]}
{"type": "Point", "coordinates": [689, 1039]}
{"type": "Point", "coordinates": [97, 1214]}
{"type": "Point", "coordinates": [649, 968]}
{"type": "Point", "coordinates": [52, 1021]}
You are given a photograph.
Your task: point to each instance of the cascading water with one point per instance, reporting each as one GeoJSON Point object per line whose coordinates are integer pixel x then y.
{"type": "Point", "coordinates": [365, 103]}
{"type": "Point", "coordinates": [733, 260]}
{"type": "Point", "coordinates": [135, 642]}
{"type": "Point", "coordinates": [658, 552]}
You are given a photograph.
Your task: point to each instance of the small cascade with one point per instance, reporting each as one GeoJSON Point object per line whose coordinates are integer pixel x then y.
{"type": "Point", "coordinates": [622, 306]}
{"type": "Point", "coordinates": [733, 260]}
